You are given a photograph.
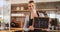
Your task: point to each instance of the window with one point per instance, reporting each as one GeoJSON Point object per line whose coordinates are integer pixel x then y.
{"type": "Point", "coordinates": [52, 15]}
{"type": "Point", "coordinates": [59, 19]}
{"type": "Point", "coordinates": [1, 3]}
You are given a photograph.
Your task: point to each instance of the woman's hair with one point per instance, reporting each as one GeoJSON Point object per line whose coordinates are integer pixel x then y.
{"type": "Point", "coordinates": [31, 1]}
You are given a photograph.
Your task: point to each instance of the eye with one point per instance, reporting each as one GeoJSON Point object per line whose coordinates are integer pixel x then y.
{"type": "Point", "coordinates": [29, 6]}
{"type": "Point", "coordinates": [32, 5]}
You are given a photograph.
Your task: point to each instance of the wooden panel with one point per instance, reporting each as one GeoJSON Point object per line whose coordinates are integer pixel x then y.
{"type": "Point", "coordinates": [18, 20]}
{"type": "Point", "coordinates": [14, 6]}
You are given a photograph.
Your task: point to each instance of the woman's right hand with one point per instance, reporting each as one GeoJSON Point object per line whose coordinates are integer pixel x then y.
{"type": "Point", "coordinates": [31, 28]}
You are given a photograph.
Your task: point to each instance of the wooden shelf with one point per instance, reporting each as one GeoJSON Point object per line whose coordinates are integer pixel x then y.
{"type": "Point", "coordinates": [20, 5]}
{"type": "Point", "coordinates": [46, 9]}
{"type": "Point", "coordinates": [20, 11]}
{"type": "Point", "coordinates": [18, 16]}
{"type": "Point", "coordinates": [36, 9]}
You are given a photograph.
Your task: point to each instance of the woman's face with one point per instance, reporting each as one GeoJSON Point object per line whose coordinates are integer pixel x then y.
{"type": "Point", "coordinates": [31, 6]}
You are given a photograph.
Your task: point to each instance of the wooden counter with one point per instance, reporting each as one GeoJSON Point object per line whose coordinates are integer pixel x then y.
{"type": "Point", "coordinates": [12, 30]}
{"type": "Point", "coordinates": [16, 29]}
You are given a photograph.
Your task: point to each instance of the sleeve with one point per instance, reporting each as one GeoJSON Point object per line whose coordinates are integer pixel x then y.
{"type": "Point", "coordinates": [26, 23]}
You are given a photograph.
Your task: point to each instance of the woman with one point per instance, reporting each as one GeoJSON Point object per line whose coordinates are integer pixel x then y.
{"type": "Point", "coordinates": [31, 8]}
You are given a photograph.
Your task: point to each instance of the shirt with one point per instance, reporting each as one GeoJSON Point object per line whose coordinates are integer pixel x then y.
{"type": "Point", "coordinates": [27, 22]}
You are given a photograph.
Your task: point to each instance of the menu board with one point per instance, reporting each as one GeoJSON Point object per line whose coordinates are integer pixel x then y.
{"type": "Point", "coordinates": [41, 22]}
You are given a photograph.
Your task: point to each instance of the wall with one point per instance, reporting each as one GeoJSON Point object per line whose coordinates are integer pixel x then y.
{"type": "Point", "coordinates": [26, 1]}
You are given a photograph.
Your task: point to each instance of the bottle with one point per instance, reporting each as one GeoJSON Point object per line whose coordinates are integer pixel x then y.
{"type": "Point", "coordinates": [22, 8]}
{"type": "Point", "coordinates": [17, 8]}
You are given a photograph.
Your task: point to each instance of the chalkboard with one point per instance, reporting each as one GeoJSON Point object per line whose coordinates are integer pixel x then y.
{"type": "Point", "coordinates": [41, 22]}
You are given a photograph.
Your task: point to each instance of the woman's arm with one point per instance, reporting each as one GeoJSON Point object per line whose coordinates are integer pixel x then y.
{"type": "Point", "coordinates": [26, 23]}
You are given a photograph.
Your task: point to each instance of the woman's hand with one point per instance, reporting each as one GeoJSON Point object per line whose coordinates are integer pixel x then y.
{"type": "Point", "coordinates": [31, 28]}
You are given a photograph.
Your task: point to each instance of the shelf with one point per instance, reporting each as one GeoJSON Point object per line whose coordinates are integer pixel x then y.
{"type": "Point", "coordinates": [18, 16]}
{"type": "Point", "coordinates": [44, 17]}
{"type": "Point", "coordinates": [46, 9]}
{"type": "Point", "coordinates": [36, 10]}
{"type": "Point", "coordinates": [20, 11]}
{"type": "Point", "coordinates": [22, 4]}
